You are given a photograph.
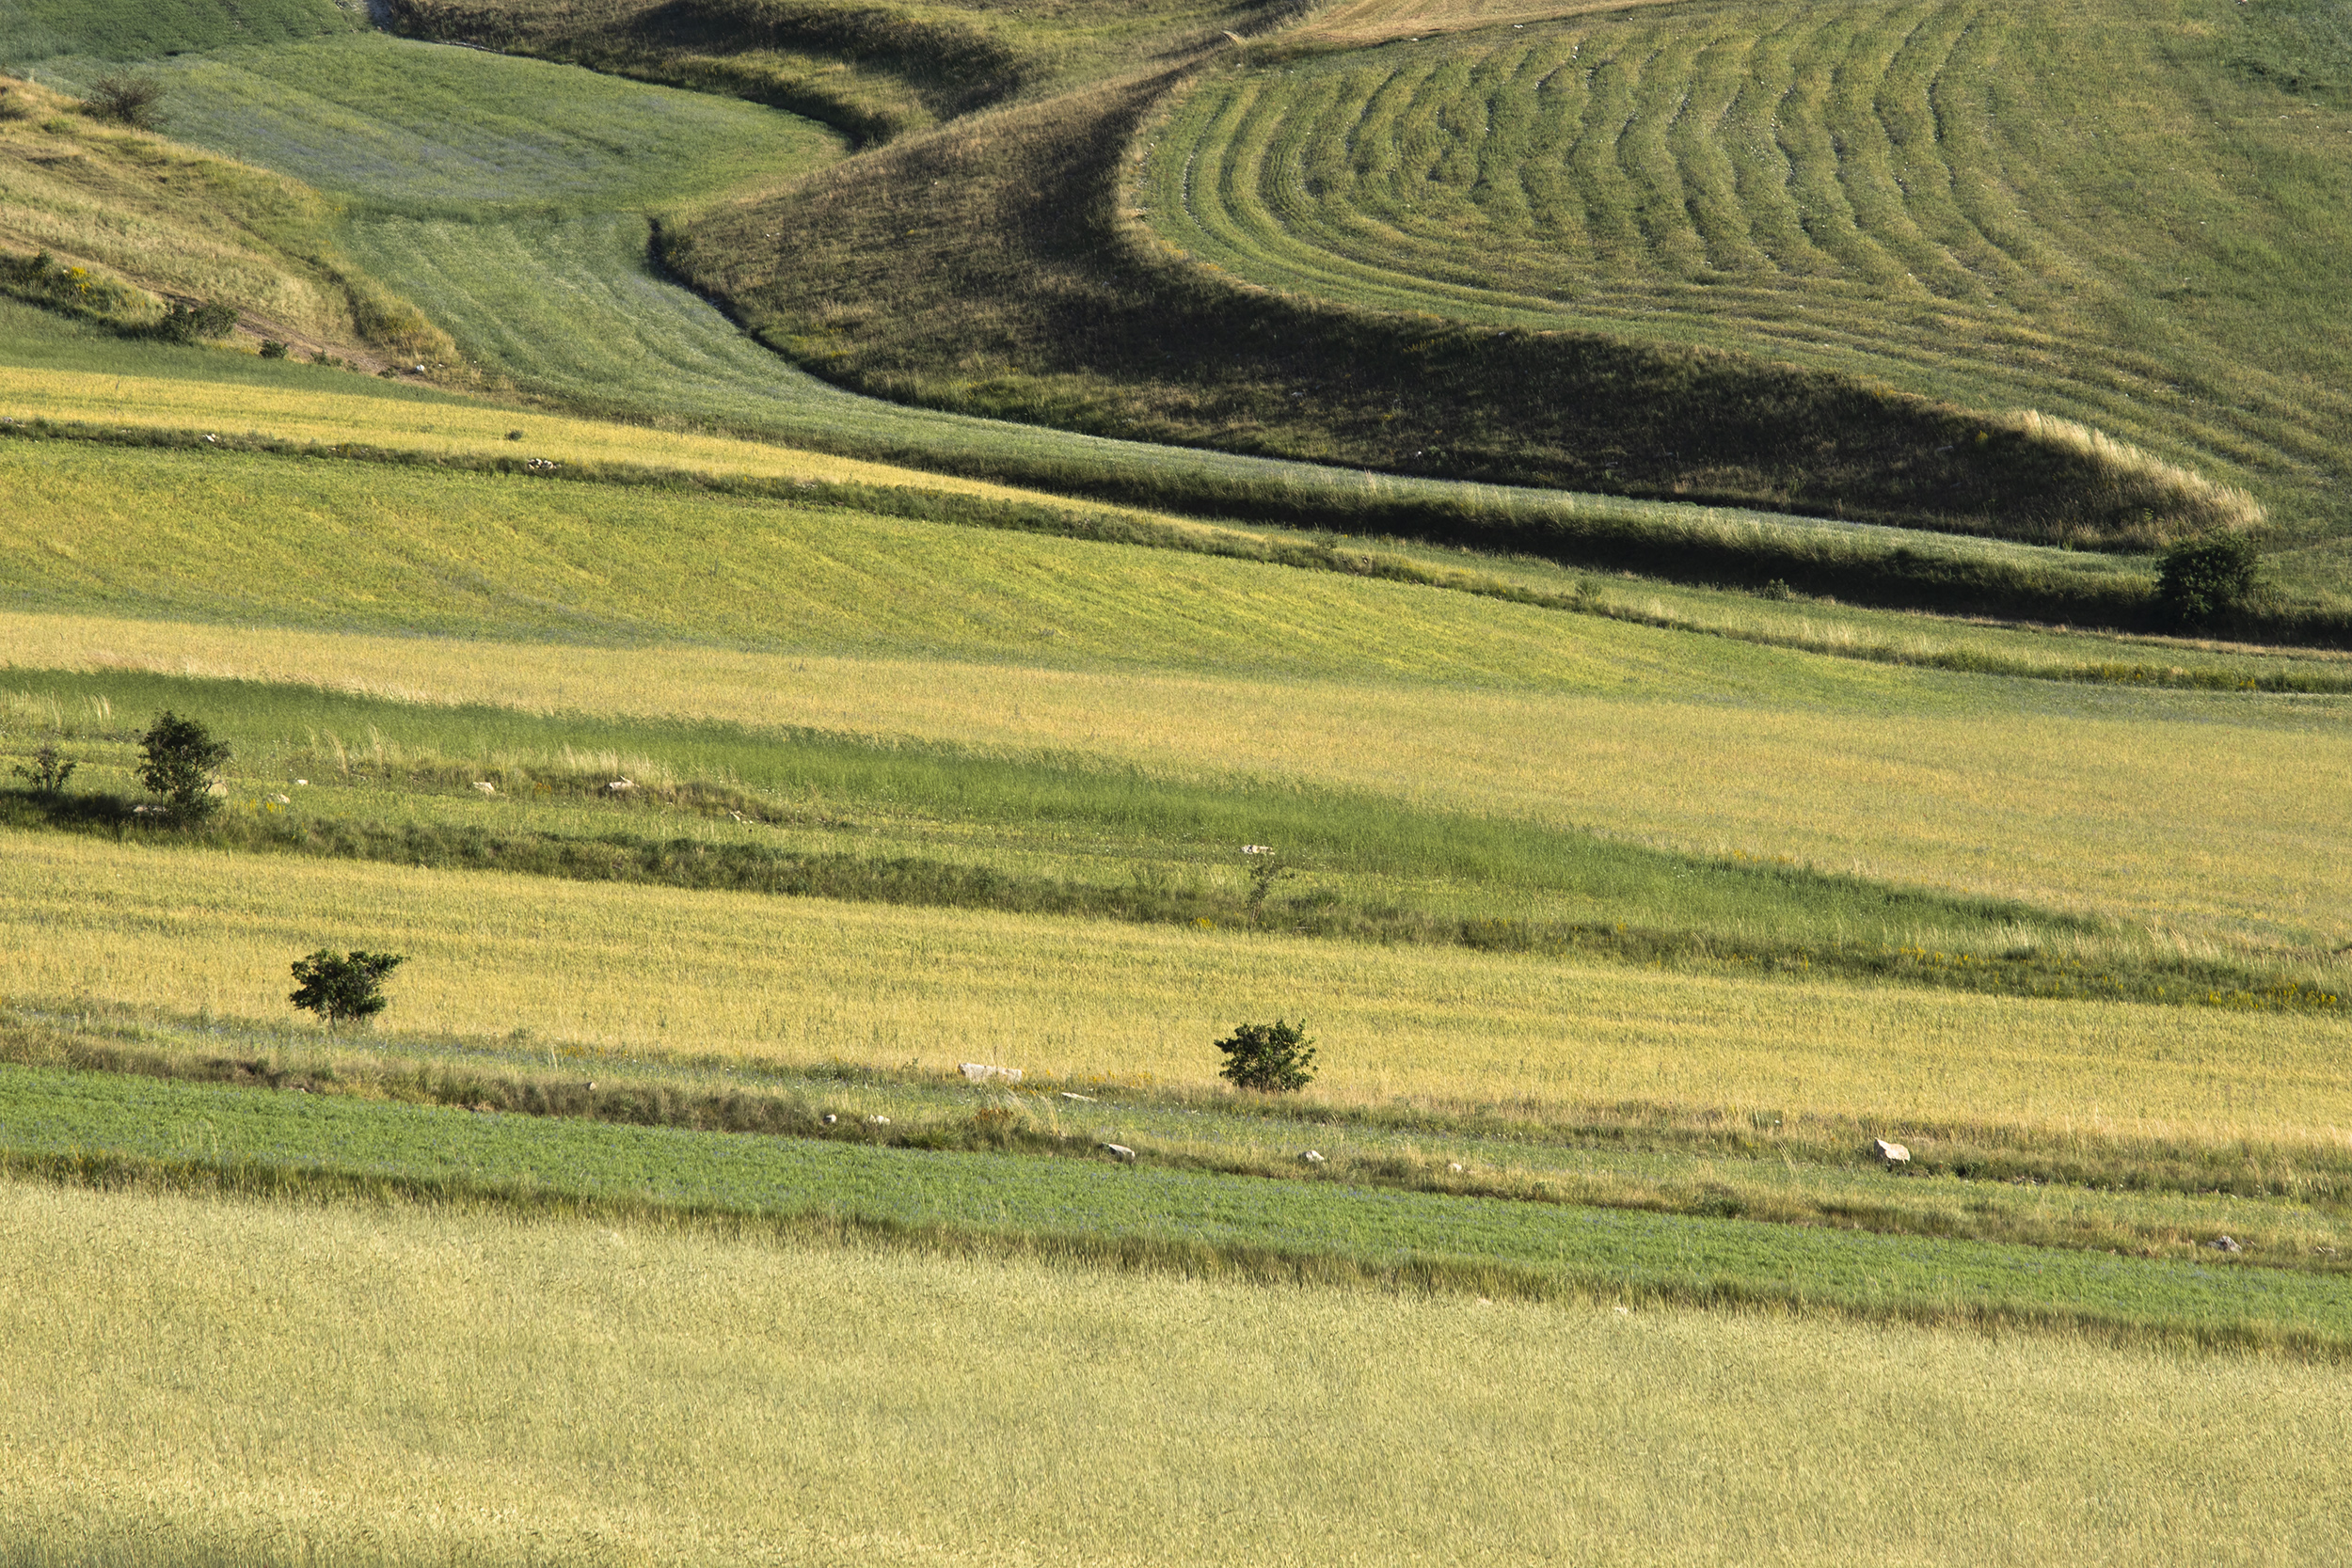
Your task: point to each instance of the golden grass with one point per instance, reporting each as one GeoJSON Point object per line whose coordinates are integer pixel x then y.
{"type": "Point", "coordinates": [1361, 23]}
{"type": "Point", "coordinates": [2210, 817]}
{"type": "Point", "coordinates": [2142, 478]}
{"type": "Point", "coordinates": [801, 980]}
{"type": "Point", "coordinates": [457, 428]}
{"type": "Point", "coordinates": [241, 1381]}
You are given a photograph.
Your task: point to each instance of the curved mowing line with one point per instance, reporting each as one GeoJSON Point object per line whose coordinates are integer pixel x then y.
{"type": "Point", "coordinates": [1863, 188]}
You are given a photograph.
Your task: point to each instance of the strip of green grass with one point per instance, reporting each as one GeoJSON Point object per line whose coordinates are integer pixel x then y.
{"type": "Point", "coordinates": [2176, 1200]}
{"type": "Point", "coordinates": [54, 1121]}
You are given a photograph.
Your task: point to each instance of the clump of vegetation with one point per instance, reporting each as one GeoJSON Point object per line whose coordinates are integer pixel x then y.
{"type": "Point", "coordinates": [2206, 578]}
{"type": "Point", "coordinates": [1271, 1058]}
{"type": "Point", "coordinates": [189, 321]}
{"type": "Point", "coordinates": [127, 100]}
{"type": "Point", "coordinates": [183, 762]}
{"type": "Point", "coordinates": [44, 280]}
{"type": "Point", "coordinates": [49, 770]}
{"type": "Point", "coordinates": [342, 988]}
{"type": "Point", "coordinates": [1264, 872]}
{"type": "Point", "coordinates": [274, 348]}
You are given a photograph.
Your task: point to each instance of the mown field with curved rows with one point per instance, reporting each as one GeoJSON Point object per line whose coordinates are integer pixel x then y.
{"type": "Point", "coordinates": [2090, 210]}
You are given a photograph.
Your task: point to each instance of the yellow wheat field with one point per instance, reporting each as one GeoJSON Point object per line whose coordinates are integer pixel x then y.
{"type": "Point", "coordinates": [732, 975]}
{"type": "Point", "coordinates": [2207, 816]}
{"type": "Point", "coordinates": [241, 1382]}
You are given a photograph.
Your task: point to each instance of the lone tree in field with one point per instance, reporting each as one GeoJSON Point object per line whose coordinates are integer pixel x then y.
{"type": "Point", "coordinates": [342, 988]}
{"type": "Point", "coordinates": [2203, 578]}
{"type": "Point", "coordinates": [1274, 1058]}
{"type": "Point", "coordinates": [181, 760]}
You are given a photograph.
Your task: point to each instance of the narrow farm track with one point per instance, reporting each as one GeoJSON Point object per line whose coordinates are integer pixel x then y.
{"type": "Point", "coordinates": [1914, 191]}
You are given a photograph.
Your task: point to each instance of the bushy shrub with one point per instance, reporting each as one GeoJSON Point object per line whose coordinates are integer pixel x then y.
{"type": "Point", "coordinates": [49, 771]}
{"type": "Point", "coordinates": [342, 988]}
{"type": "Point", "coordinates": [274, 348]}
{"type": "Point", "coordinates": [2204, 578]}
{"type": "Point", "coordinates": [181, 760]}
{"type": "Point", "coordinates": [185, 322]}
{"type": "Point", "coordinates": [127, 100]}
{"type": "Point", "coordinates": [1274, 1058]}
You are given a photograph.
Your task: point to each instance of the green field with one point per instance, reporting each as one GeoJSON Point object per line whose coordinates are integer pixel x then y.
{"type": "Point", "coordinates": [732, 757]}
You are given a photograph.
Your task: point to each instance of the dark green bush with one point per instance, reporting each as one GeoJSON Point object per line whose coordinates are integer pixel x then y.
{"type": "Point", "coordinates": [182, 761]}
{"type": "Point", "coordinates": [127, 100]}
{"type": "Point", "coordinates": [2205, 579]}
{"type": "Point", "coordinates": [184, 323]}
{"type": "Point", "coordinates": [1274, 1058]}
{"type": "Point", "coordinates": [274, 348]}
{"type": "Point", "coordinates": [342, 988]}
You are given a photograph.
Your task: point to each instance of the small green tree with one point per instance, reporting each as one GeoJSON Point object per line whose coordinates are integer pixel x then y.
{"type": "Point", "coordinates": [342, 988]}
{"type": "Point", "coordinates": [49, 771]}
{"type": "Point", "coordinates": [2203, 578]}
{"type": "Point", "coordinates": [1276, 1059]}
{"type": "Point", "coordinates": [181, 760]}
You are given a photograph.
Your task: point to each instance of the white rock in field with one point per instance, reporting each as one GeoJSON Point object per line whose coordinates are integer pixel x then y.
{"type": "Point", "coordinates": [486, 786]}
{"type": "Point", "coordinates": [1088, 1098]}
{"type": "Point", "coordinates": [620, 787]}
{"type": "Point", "coordinates": [980, 1072]}
{"type": "Point", "coordinates": [302, 782]}
{"type": "Point", "coordinates": [2225, 1243]}
{"type": "Point", "coordinates": [1312, 1157]}
{"type": "Point", "coordinates": [1455, 1167]}
{"type": "Point", "coordinates": [283, 799]}
{"type": "Point", "coordinates": [1119, 1152]}
{"type": "Point", "coordinates": [878, 1121]}
{"type": "Point", "coordinates": [1894, 1154]}
{"type": "Point", "coordinates": [831, 1119]}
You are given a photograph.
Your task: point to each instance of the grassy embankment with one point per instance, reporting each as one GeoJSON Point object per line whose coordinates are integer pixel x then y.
{"type": "Point", "coordinates": [1877, 191]}
{"type": "Point", "coordinates": [131, 219]}
{"type": "Point", "coordinates": [511, 1388]}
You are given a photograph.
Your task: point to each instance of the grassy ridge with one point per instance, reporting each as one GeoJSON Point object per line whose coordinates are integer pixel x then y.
{"type": "Point", "coordinates": [1482, 1244]}
{"type": "Point", "coordinates": [508, 1387]}
{"type": "Point", "coordinates": [1873, 191]}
